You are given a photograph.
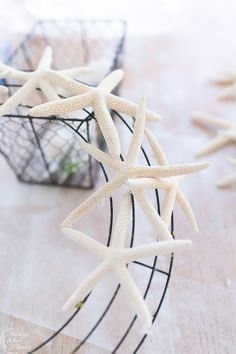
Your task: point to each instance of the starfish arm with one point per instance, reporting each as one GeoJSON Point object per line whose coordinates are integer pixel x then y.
{"type": "Point", "coordinates": [167, 171]}
{"type": "Point", "coordinates": [168, 205]}
{"type": "Point", "coordinates": [138, 132]}
{"type": "Point", "coordinates": [213, 145]}
{"type": "Point", "coordinates": [229, 133]}
{"type": "Point", "coordinates": [160, 248]}
{"type": "Point", "coordinates": [5, 74]}
{"type": "Point", "coordinates": [18, 97]}
{"type": "Point", "coordinates": [96, 71]}
{"type": "Point", "coordinates": [4, 67]}
{"type": "Point", "coordinates": [122, 222]}
{"type": "Point", "coordinates": [100, 68]}
{"type": "Point", "coordinates": [59, 79]}
{"type": "Point", "coordinates": [124, 106]}
{"type": "Point", "coordinates": [99, 155]}
{"type": "Point", "coordinates": [48, 90]}
{"type": "Point", "coordinates": [61, 107]}
{"type": "Point", "coordinates": [180, 178]}
{"type": "Point", "coordinates": [111, 81]}
{"type": "Point", "coordinates": [227, 181]}
{"type": "Point", "coordinates": [152, 215]}
{"type": "Point", "coordinates": [156, 148]}
{"type": "Point", "coordinates": [202, 117]}
{"type": "Point", "coordinates": [46, 59]}
{"type": "Point", "coordinates": [104, 192]}
{"type": "Point", "coordinates": [85, 241]}
{"type": "Point", "coordinates": [77, 71]}
{"type": "Point", "coordinates": [228, 93]}
{"type": "Point", "coordinates": [8, 72]}
{"type": "Point", "coordinates": [232, 161]}
{"type": "Point", "coordinates": [148, 183]}
{"type": "Point", "coordinates": [185, 206]}
{"type": "Point", "coordinates": [21, 75]}
{"type": "Point", "coordinates": [106, 124]}
{"type": "Point", "coordinates": [86, 286]}
{"type": "Point", "coordinates": [3, 90]}
{"type": "Point", "coordinates": [226, 78]}
{"type": "Point", "coordinates": [136, 300]}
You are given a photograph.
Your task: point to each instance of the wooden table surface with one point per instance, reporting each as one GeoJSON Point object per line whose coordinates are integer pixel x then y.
{"type": "Point", "coordinates": [172, 68]}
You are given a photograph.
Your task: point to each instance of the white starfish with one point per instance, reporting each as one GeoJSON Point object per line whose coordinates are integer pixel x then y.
{"type": "Point", "coordinates": [102, 114]}
{"type": "Point", "coordinates": [171, 185]}
{"type": "Point", "coordinates": [227, 77]}
{"type": "Point", "coordinates": [229, 93]}
{"type": "Point", "coordinates": [35, 79]}
{"type": "Point", "coordinates": [230, 179]}
{"type": "Point", "coordinates": [107, 84]}
{"type": "Point", "coordinates": [3, 90]}
{"type": "Point", "coordinates": [223, 137]}
{"type": "Point", "coordinates": [98, 70]}
{"type": "Point", "coordinates": [115, 259]}
{"type": "Point", "coordinates": [100, 101]}
{"type": "Point", "coordinates": [129, 169]}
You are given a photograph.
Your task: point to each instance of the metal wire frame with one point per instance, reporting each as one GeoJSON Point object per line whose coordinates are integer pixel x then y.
{"type": "Point", "coordinates": [28, 173]}
{"type": "Point", "coordinates": [153, 269]}
{"type": "Point", "coordinates": [23, 47]}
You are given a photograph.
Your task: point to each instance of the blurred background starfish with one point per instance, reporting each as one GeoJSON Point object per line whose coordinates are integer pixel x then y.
{"type": "Point", "coordinates": [230, 179]}
{"type": "Point", "coordinates": [227, 79]}
{"type": "Point", "coordinates": [225, 136]}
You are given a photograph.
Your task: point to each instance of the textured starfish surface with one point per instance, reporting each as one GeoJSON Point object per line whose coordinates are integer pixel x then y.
{"type": "Point", "coordinates": [171, 185]}
{"type": "Point", "coordinates": [230, 179]}
{"type": "Point", "coordinates": [36, 79]}
{"type": "Point", "coordinates": [130, 169]}
{"type": "Point", "coordinates": [100, 101]}
{"type": "Point", "coordinates": [115, 259]}
{"type": "Point", "coordinates": [103, 116]}
{"type": "Point", "coordinates": [225, 136]}
{"type": "Point", "coordinates": [107, 84]}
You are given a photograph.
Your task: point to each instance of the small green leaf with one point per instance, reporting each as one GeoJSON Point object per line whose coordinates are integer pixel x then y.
{"type": "Point", "coordinates": [71, 167]}
{"type": "Point", "coordinates": [80, 305]}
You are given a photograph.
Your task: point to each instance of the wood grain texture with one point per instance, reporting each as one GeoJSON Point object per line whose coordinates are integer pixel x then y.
{"type": "Point", "coordinates": [19, 335]}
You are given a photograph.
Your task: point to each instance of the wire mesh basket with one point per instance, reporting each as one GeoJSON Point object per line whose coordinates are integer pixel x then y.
{"type": "Point", "coordinates": [46, 150]}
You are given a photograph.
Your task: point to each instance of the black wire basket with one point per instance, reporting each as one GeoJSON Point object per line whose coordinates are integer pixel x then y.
{"type": "Point", "coordinates": [46, 150]}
